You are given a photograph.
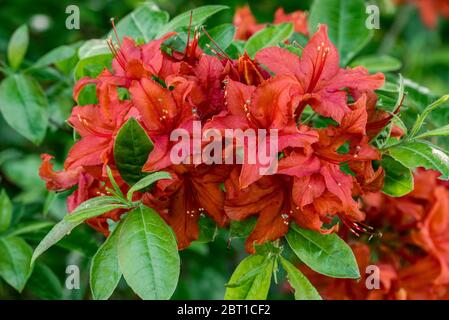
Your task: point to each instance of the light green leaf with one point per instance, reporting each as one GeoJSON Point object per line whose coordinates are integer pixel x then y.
{"type": "Point", "coordinates": [398, 178]}
{"type": "Point", "coordinates": [92, 48]}
{"type": "Point", "coordinates": [376, 63]}
{"type": "Point", "coordinates": [148, 255]}
{"type": "Point", "coordinates": [146, 182]}
{"type": "Point", "coordinates": [346, 21]}
{"type": "Point", "coordinates": [270, 36]}
{"type": "Point", "coordinates": [419, 153]}
{"type": "Point", "coordinates": [15, 256]}
{"type": "Point", "coordinates": [105, 271]}
{"type": "Point", "coordinates": [131, 149]}
{"type": "Point", "coordinates": [92, 66]}
{"type": "Point", "coordinates": [440, 132]}
{"type": "Point", "coordinates": [326, 254]}
{"type": "Point", "coordinates": [304, 290]}
{"type": "Point", "coordinates": [59, 231]}
{"type": "Point", "coordinates": [17, 47]}
{"type": "Point", "coordinates": [144, 23]}
{"type": "Point", "coordinates": [222, 36]}
{"type": "Point", "coordinates": [199, 15]}
{"type": "Point", "coordinates": [24, 106]}
{"type": "Point", "coordinates": [256, 285]}
{"type": "Point", "coordinates": [94, 207]}
{"type": "Point", "coordinates": [5, 211]}
{"type": "Point", "coordinates": [423, 115]}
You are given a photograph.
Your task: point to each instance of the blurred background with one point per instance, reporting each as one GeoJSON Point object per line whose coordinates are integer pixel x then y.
{"type": "Point", "coordinates": [424, 55]}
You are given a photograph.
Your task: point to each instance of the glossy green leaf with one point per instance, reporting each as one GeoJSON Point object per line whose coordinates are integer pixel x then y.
{"type": "Point", "coordinates": [15, 256]}
{"type": "Point", "coordinates": [24, 106]}
{"type": "Point", "coordinates": [326, 254]}
{"type": "Point", "coordinates": [105, 271]}
{"type": "Point", "coordinates": [222, 36]}
{"type": "Point", "coordinates": [94, 207]}
{"type": "Point", "coordinates": [199, 15]}
{"type": "Point", "coordinates": [256, 285]}
{"type": "Point", "coordinates": [270, 36]}
{"type": "Point", "coordinates": [131, 149]}
{"type": "Point", "coordinates": [304, 290]}
{"type": "Point", "coordinates": [423, 115]}
{"type": "Point", "coordinates": [398, 178]}
{"type": "Point", "coordinates": [377, 63]}
{"type": "Point", "coordinates": [92, 66]}
{"type": "Point", "coordinates": [17, 47]}
{"type": "Point", "coordinates": [419, 153]}
{"type": "Point", "coordinates": [148, 255]}
{"type": "Point", "coordinates": [146, 182]}
{"type": "Point", "coordinates": [5, 211]}
{"type": "Point", "coordinates": [346, 21]}
{"type": "Point", "coordinates": [144, 23]}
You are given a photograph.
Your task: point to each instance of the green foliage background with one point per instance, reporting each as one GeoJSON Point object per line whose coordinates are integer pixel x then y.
{"type": "Point", "coordinates": [205, 268]}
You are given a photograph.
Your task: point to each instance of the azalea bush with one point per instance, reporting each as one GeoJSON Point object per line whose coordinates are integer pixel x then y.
{"type": "Point", "coordinates": [153, 122]}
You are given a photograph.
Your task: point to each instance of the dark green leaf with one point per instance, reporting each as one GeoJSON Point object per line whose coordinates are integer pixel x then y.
{"type": "Point", "coordinates": [5, 211]}
{"type": "Point", "coordinates": [44, 283]}
{"type": "Point", "coordinates": [208, 229]}
{"type": "Point", "coordinates": [131, 149]}
{"type": "Point", "coordinates": [55, 56]}
{"type": "Point", "coordinates": [222, 36]}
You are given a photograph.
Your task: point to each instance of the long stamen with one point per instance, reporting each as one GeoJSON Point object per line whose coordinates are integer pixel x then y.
{"type": "Point", "coordinates": [216, 44]}
{"type": "Point", "coordinates": [188, 32]}
{"type": "Point", "coordinates": [115, 31]}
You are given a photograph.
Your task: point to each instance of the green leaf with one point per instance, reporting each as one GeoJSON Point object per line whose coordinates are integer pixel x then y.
{"type": "Point", "coordinates": [15, 256]}
{"type": "Point", "coordinates": [199, 15]}
{"type": "Point", "coordinates": [59, 231]}
{"type": "Point", "coordinates": [222, 36]}
{"type": "Point", "coordinates": [17, 47]}
{"type": "Point", "coordinates": [391, 96]}
{"type": "Point", "coordinates": [105, 271]}
{"type": "Point", "coordinates": [144, 23]}
{"type": "Point", "coordinates": [326, 254]}
{"type": "Point", "coordinates": [419, 153]}
{"type": "Point", "coordinates": [346, 21]}
{"type": "Point", "coordinates": [440, 132]}
{"type": "Point", "coordinates": [148, 255]}
{"type": "Point", "coordinates": [92, 66]}
{"type": "Point", "coordinates": [398, 178]}
{"type": "Point", "coordinates": [44, 283]}
{"type": "Point", "coordinates": [24, 106]}
{"type": "Point", "coordinates": [376, 63]}
{"type": "Point", "coordinates": [30, 227]}
{"type": "Point", "coordinates": [208, 229]}
{"type": "Point", "coordinates": [422, 117]}
{"type": "Point", "coordinates": [147, 181]}
{"type": "Point", "coordinates": [5, 211]}
{"type": "Point", "coordinates": [270, 36]}
{"type": "Point", "coordinates": [256, 285]}
{"type": "Point", "coordinates": [55, 56]}
{"type": "Point", "coordinates": [242, 229]}
{"type": "Point", "coordinates": [92, 48]}
{"type": "Point", "coordinates": [94, 207]}
{"type": "Point", "coordinates": [304, 290]}
{"type": "Point", "coordinates": [131, 149]}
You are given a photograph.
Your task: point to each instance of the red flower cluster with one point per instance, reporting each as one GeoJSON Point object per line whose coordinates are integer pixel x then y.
{"type": "Point", "coordinates": [247, 25]}
{"type": "Point", "coordinates": [168, 91]}
{"type": "Point", "coordinates": [413, 258]}
{"type": "Point", "coordinates": [430, 10]}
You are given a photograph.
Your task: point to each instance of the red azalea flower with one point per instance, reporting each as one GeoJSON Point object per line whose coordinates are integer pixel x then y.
{"type": "Point", "coordinates": [298, 18]}
{"type": "Point", "coordinates": [430, 10]}
{"type": "Point", "coordinates": [195, 191]}
{"type": "Point", "coordinates": [319, 78]}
